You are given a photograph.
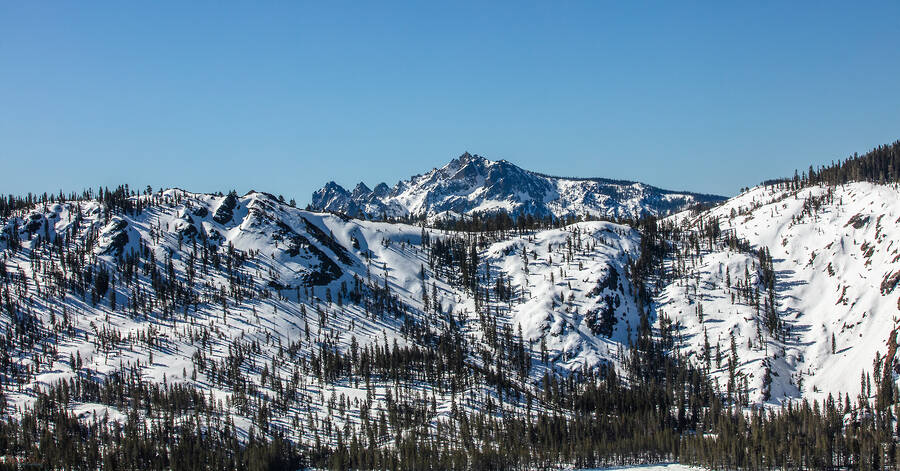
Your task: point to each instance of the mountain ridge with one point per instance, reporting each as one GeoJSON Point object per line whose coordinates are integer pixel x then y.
{"type": "Point", "coordinates": [306, 326]}
{"type": "Point", "coordinates": [471, 184]}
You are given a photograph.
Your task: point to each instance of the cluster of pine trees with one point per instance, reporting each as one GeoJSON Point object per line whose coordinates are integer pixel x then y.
{"type": "Point", "coordinates": [879, 165]}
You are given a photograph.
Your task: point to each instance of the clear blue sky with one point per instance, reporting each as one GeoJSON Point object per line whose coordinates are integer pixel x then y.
{"type": "Point", "coordinates": [285, 96]}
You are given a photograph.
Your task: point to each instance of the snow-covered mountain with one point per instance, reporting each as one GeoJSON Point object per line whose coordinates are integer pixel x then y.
{"type": "Point", "coordinates": [270, 321]}
{"type": "Point", "coordinates": [835, 252]}
{"type": "Point", "coordinates": [473, 184]}
{"type": "Point", "coordinates": [221, 292]}
{"type": "Point", "coordinates": [255, 270]}
{"type": "Point", "coordinates": [250, 270]}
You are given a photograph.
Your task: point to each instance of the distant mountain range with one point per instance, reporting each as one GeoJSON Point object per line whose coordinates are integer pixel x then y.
{"type": "Point", "coordinates": [473, 184]}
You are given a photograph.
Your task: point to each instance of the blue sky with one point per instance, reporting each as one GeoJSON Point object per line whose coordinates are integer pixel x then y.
{"type": "Point", "coordinates": [285, 96]}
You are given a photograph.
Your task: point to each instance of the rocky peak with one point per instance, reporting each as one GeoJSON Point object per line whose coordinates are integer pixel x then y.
{"type": "Point", "coordinates": [360, 191]}
{"type": "Point", "coordinates": [471, 183]}
{"type": "Point", "coordinates": [381, 190]}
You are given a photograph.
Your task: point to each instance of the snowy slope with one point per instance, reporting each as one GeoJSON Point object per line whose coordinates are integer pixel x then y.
{"type": "Point", "coordinates": [473, 184]}
{"type": "Point", "coordinates": [575, 295]}
{"type": "Point", "coordinates": [272, 285]}
{"type": "Point", "coordinates": [836, 256]}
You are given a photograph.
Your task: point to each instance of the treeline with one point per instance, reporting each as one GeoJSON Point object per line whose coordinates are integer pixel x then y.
{"type": "Point", "coordinates": [879, 165]}
{"type": "Point", "coordinates": [119, 199]}
{"type": "Point", "coordinates": [507, 225]}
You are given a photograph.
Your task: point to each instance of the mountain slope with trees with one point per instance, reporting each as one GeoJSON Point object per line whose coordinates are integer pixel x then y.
{"type": "Point", "coordinates": [169, 329]}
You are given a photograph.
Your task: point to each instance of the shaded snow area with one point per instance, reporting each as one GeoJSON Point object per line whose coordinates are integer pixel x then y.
{"type": "Point", "coordinates": [835, 252]}
{"type": "Point", "coordinates": [258, 290]}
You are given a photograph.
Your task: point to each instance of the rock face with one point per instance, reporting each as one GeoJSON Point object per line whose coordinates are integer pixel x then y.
{"type": "Point", "coordinates": [35, 222]}
{"type": "Point", "coordinates": [225, 211]}
{"type": "Point", "coordinates": [114, 237]}
{"type": "Point", "coordinates": [333, 196]}
{"type": "Point", "coordinates": [473, 184]}
{"type": "Point", "coordinates": [610, 293]}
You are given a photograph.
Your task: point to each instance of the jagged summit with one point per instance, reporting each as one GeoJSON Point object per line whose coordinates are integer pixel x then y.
{"type": "Point", "coordinates": [472, 184]}
{"type": "Point", "coordinates": [360, 190]}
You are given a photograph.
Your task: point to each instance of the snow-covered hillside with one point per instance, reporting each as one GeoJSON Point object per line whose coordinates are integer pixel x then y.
{"type": "Point", "coordinates": [836, 257]}
{"type": "Point", "coordinates": [300, 323]}
{"type": "Point", "coordinates": [574, 292]}
{"type": "Point", "coordinates": [473, 184]}
{"type": "Point", "coordinates": [244, 298]}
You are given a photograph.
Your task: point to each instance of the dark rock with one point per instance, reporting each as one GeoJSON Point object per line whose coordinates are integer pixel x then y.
{"type": "Point", "coordinates": [117, 233]}
{"type": "Point", "coordinates": [188, 230]}
{"type": "Point", "coordinates": [333, 197]}
{"type": "Point", "coordinates": [360, 191]}
{"type": "Point", "coordinates": [34, 222]}
{"type": "Point", "coordinates": [225, 211]}
{"type": "Point", "coordinates": [602, 320]}
{"type": "Point", "coordinates": [381, 190]}
{"type": "Point", "coordinates": [215, 235]}
{"type": "Point", "coordinates": [610, 282]}
{"type": "Point", "coordinates": [890, 283]}
{"type": "Point", "coordinates": [325, 239]}
{"type": "Point", "coordinates": [857, 221]}
{"type": "Point", "coordinates": [325, 272]}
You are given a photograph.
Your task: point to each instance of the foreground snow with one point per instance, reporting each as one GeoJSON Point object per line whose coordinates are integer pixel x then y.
{"type": "Point", "coordinates": [650, 467]}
